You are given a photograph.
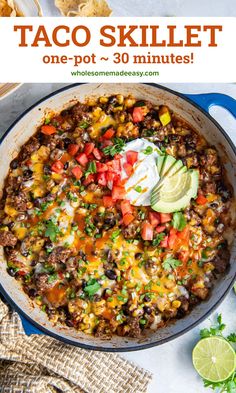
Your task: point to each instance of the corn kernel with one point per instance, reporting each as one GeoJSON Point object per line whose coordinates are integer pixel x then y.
{"type": "Point", "coordinates": [103, 100]}
{"type": "Point", "coordinates": [176, 303]}
{"type": "Point", "coordinates": [120, 99]}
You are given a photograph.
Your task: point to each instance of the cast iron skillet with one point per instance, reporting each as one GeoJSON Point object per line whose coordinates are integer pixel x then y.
{"type": "Point", "coordinates": [192, 108]}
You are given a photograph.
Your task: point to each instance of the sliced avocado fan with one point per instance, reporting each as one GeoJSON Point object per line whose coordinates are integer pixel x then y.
{"type": "Point", "coordinates": [176, 187]}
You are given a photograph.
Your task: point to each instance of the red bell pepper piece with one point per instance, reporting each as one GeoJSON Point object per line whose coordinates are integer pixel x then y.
{"type": "Point", "coordinates": [48, 129]}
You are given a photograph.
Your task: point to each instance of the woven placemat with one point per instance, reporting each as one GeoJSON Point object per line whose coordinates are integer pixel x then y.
{"type": "Point", "coordinates": [41, 364]}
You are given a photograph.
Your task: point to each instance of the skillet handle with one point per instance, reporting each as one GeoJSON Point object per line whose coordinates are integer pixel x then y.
{"type": "Point", "coordinates": [206, 101]}
{"type": "Point", "coordinates": [28, 327]}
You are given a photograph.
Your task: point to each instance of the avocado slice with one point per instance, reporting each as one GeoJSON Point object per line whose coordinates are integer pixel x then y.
{"type": "Point", "coordinates": [160, 161]}
{"type": "Point", "coordinates": [177, 167]}
{"type": "Point", "coordinates": [169, 161]}
{"type": "Point", "coordinates": [164, 115]}
{"type": "Point", "coordinates": [176, 192]}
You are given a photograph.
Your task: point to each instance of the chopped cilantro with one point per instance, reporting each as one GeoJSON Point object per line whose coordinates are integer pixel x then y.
{"type": "Point", "coordinates": [158, 239]}
{"type": "Point", "coordinates": [52, 277]}
{"type": "Point", "coordinates": [179, 221]}
{"type": "Point", "coordinates": [171, 263]}
{"type": "Point", "coordinates": [83, 124]}
{"type": "Point", "coordinates": [92, 287]}
{"type": "Point", "coordinates": [115, 234]}
{"type": "Point", "coordinates": [52, 230]}
{"type": "Point", "coordinates": [91, 168]}
{"type": "Point", "coordinates": [116, 148]}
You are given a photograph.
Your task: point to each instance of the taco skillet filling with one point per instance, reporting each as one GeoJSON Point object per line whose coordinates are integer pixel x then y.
{"type": "Point", "coordinates": [91, 228]}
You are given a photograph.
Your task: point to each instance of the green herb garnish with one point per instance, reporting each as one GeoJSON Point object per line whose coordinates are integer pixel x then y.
{"type": "Point", "coordinates": [179, 221]}
{"type": "Point", "coordinates": [92, 287]}
{"type": "Point", "coordinates": [171, 263]}
{"type": "Point", "coordinates": [116, 148]}
{"type": "Point", "coordinates": [138, 189]}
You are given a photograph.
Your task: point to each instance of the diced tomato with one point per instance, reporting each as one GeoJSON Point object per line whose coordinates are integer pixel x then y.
{"type": "Point", "coordinates": [21, 273]}
{"type": "Point", "coordinates": [106, 142]}
{"type": "Point", "coordinates": [89, 179]}
{"type": "Point", "coordinates": [77, 172]}
{"type": "Point", "coordinates": [117, 156]}
{"type": "Point", "coordinates": [82, 159]}
{"type": "Point", "coordinates": [48, 129]}
{"type": "Point", "coordinates": [101, 178]}
{"type": "Point", "coordinates": [119, 182]}
{"type": "Point", "coordinates": [118, 192]}
{"type": "Point", "coordinates": [88, 148]}
{"type": "Point", "coordinates": [73, 149]}
{"type": "Point", "coordinates": [165, 217]}
{"type": "Point", "coordinates": [110, 176]}
{"type": "Point", "coordinates": [160, 228]}
{"type": "Point", "coordinates": [125, 207]}
{"type": "Point", "coordinates": [201, 200]}
{"type": "Point", "coordinates": [128, 169]}
{"type": "Point", "coordinates": [109, 133]}
{"type": "Point", "coordinates": [154, 218]}
{"type": "Point", "coordinates": [100, 167]}
{"type": "Point", "coordinates": [97, 154]}
{"type": "Point", "coordinates": [164, 242]}
{"type": "Point", "coordinates": [128, 218]}
{"type": "Point", "coordinates": [57, 166]}
{"type": "Point", "coordinates": [147, 231]}
{"type": "Point", "coordinates": [108, 201]}
{"type": "Point", "coordinates": [114, 165]}
{"type": "Point", "coordinates": [138, 114]}
{"type": "Point", "coordinates": [131, 156]}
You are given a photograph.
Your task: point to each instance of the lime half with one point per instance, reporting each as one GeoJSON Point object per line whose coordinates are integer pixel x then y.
{"type": "Point", "coordinates": [214, 359]}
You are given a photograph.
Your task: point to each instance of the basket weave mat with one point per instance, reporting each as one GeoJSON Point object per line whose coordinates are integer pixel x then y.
{"type": "Point", "coordinates": [41, 364]}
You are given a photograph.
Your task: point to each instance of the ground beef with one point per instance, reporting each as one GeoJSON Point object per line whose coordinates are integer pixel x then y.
{"type": "Point", "coordinates": [209, 188]}
{"type": "Point", "coordinates": [221, 261]}
{"type": "Point", "coordinates": [20, 201]}
{"type": "Point", "coordinates": [59, 255]}
{"type": "Point", "coordinates": [30, 147]}
{"type": "Point", "coordinates": [131, 230]}
{"type": "Point", "coordinates": [42, 284]}
{"type": "Point", "coordinates": [103, 329]}
{"type": "Point", "coordinates": [7, 239]}
{"type": "Point", "coordinates": [78, 112]}
{"type": "Point", "coordinates": [134, 326]}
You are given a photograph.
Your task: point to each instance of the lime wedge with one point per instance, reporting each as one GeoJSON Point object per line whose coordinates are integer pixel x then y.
{"type": "Point", "coordinates": [235, 287]}
{"type": "Point", "coordinates": [214, 359]}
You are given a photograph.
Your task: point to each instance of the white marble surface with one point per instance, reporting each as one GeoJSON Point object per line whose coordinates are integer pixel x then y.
{"type": "Point", "coordinates": [160, 7]}
{"type": "Point", "coordinates": [170, 363]}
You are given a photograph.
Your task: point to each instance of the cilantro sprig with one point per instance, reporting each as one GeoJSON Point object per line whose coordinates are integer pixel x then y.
{"type": "Point", "coordinates": [179, 221]}
{"type": "Point", "coordinates": [116, 148]}
{"type": "Point", "coordinates": [170, 264]}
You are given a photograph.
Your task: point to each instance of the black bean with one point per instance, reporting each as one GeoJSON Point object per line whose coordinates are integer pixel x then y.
{"type": "Point", "coordinates": [138, 255]}
{"type": "Point", "coordinates": [147, 298]}
{"type": "Point", "coordinates": [33, 262]}
{"type": "Point", "coordinates": [82, 255]}
{"type": "Point", "coordinates": [67, 142]}
{"type": "Point", "coordinates": [147, 310]}
{"type": "Point", "coordinates": [14, 164]}
{"type": "Point", "coordinates": [112, 100]}
{"type": "Point", "coordinates": [11, 271]}
{"type": "Point", "coordinates": [47, 170]}
{"type": "Point", "coordinates": [27, 173]}
{"type": "Point", "coordinates": [65, 112]}
{"type": "Point", "coordinates": [32, 292]}
{"type": "Point", "coordinates": [111, 274]}
{"type": "Point", "coordinates": [66, 165]}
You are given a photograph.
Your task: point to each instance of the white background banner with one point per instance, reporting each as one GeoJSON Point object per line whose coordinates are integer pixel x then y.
{"type": "Point", "coordinates": [118, 49]}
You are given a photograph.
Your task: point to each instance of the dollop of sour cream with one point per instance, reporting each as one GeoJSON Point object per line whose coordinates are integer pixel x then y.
{"type": "Point", "coordinates": [145, 174]}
